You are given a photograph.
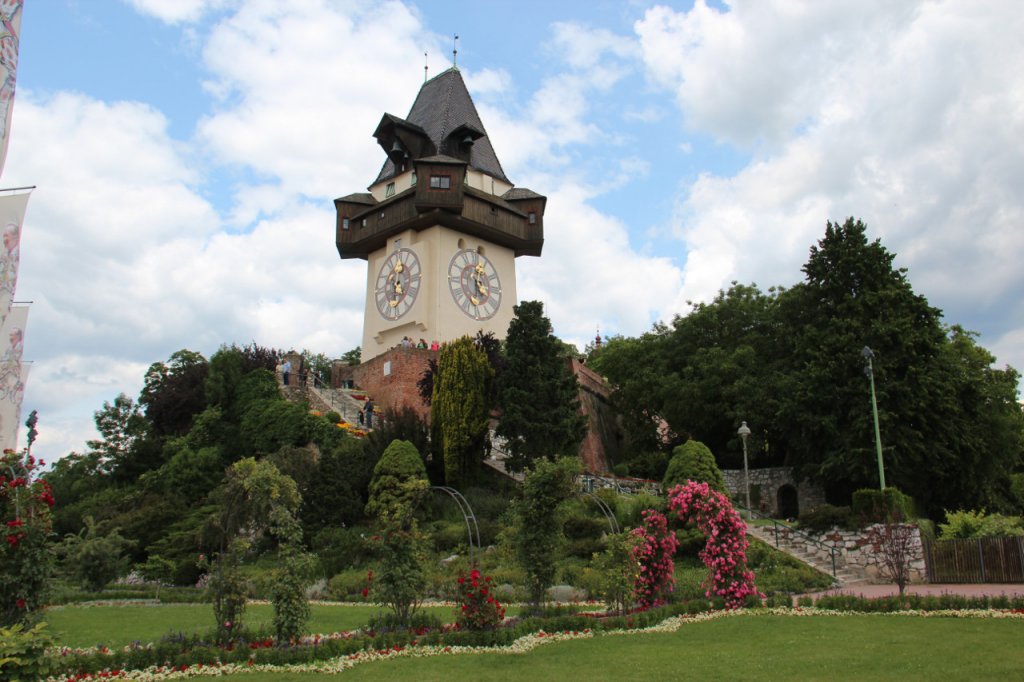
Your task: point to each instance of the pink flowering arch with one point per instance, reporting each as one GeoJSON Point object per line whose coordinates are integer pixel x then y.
{"type": "Point", "coordinates": [725, 554]}
{"type": "Point", "coordinates": [653, 554]}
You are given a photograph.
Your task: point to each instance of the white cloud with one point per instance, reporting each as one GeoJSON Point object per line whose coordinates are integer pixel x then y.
{"type": "Point", "coordinates": [179, 11]}
{"type": "Point", "coordinates": [304, 86]}
{"type": "Point", "coordinates": [908, 116]}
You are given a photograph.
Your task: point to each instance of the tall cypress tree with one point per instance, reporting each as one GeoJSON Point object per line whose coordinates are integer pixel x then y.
{"type": "Point", "coordinates": [459, 410]}
{"type": "Point", "coordinates": [537, 392]}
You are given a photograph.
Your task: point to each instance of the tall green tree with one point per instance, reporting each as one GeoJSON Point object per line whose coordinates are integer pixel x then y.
{"type": "Point", "coordinates": [538, 392]}
{"type": "Point", "coordinates": [460, 412]}
{"type": "Point", "coordinates": [174, 391]}
{"type": "Point", "coordinates": [121, 426]}
{"type": "Point", "coordinates": [538, 530]}
{"type": "Point", "coordinates": [853, 296]}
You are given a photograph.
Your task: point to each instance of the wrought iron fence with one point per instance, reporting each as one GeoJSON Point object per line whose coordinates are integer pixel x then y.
{"type": "Point", "coordinates": [976, 560]}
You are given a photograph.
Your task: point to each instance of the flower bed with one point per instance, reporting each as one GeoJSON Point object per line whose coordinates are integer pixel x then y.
{"type": "Point", "coordinates": [519, 644]}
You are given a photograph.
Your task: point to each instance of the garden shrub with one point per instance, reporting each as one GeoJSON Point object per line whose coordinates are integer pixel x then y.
{"type": "Point", "coordinates": [26, 559]}
{"type": "Point", "coordinates": [538, 532]}
{"type": "Point", "coordinates": [584, 548]}
{"type": "Point", "coordinates": [348, 585]}
{"type": "Point", "coordinates": [340, 548]}
{"type": "Point", "coordinates": [23, 653]}
{"type": "Point", "coordinates": [725, 553]}
{"type": "Point", "coordinates": [648, 465]}
{"type": "Point", "coordinates": [448, 536]}
{"type": "Point", "coordinates": [881, 506]}
{"type": "Point", "coordinates": [825, 517]}
{"type": "Point", "coordinates": [693, 461]}
{"type": "Point", "coordinates": [399, 482]}
{"type": "Point", "coordinates": [979, 524]}
{"type": "Point", "coordinates": [631, 508]}
{"type": "Point", "coordinates": [615, 572]}
{"type": "Point", "coordinates": [96, 559]}
{"type": "Point", "coordinates": [653, 550]}
{"type": "Point", "coordinates": [476, 606]}
{"type": "Point", "coordinates": [333, 417]}
{"type": "Point", "coordinates": [270, 423]}
{"type": "Point", "coordinates": [578, 526]}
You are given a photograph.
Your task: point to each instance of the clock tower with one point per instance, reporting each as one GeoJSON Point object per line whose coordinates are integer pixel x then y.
{"type": "Point", "coordinates": [440, 227]}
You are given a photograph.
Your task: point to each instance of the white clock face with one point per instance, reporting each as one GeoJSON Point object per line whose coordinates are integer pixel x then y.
{"type": "Point", "coordinates": [398, 283]}
{"type": "Point", "coordinates": [474, 284]}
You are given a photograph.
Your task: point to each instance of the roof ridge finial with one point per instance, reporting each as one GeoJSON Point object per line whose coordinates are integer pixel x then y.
{"type": "Point", "coordinates": [455, 50]}
{"type": "Point", "coordinates": [425, 64]}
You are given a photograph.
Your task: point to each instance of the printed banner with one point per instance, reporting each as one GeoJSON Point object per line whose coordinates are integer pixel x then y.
{"type": "Point", "coordinates": [12, 374]}
{"type": "Point", "coordinates": [12, 214]}
{"type": "Point", "coordinates": [10, 35]}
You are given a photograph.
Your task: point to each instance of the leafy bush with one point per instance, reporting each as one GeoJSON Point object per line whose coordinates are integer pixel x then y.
{"type": "Point", "coordinates": [826, 517]}
{"type": "Point", "coordinates": [693, 461]}
{"type": "Point", "coordinates": [340, 548]}
{"type": "Point", "coordinates": [917, 602]}
{"type": "Point", "coordinates": [631, 508]}
{"type": "Point", "coordinates": [270, 423]}
{"type": "Point", "coordinates": [391, 491]}
{"type": "Point", "coordinates": [881, 506]}
{"type": "Point", "coordinates": [978, 524]}
{"type": "Point", "coordinates": [96, 559]}
{"type": "Point", "coordinates": [648, 465]}
{"type": "Point", "coordinates": [448, 535]}
{"type": "Point", "coordinates": [476, 607]}
{"type": "Point", "coordinates": [333, 417]}
{"type": "Point", "coordinates": [348, 585]}
{"type": "Point", "coordinates": [23, 653]}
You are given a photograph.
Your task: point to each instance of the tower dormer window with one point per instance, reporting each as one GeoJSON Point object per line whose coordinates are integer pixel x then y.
{"type": "Point", "coordinates": [533, 217]}
{"type": "Point", "coordinates": [344, 223]}
{"type": "Point", "coordinates": [389, 191]}
{"type": "Point", "coordinates": [440, 182]}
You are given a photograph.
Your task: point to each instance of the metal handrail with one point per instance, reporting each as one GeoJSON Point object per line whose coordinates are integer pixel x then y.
{"type": "Point", "coordinates": [776, 523]}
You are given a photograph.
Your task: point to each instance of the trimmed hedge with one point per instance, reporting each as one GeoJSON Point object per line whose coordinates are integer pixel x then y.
{"type": "Point", "coordinates": [917, 602]}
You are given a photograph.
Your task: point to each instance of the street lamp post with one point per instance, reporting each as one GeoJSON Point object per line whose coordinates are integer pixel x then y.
{"type": "Point", "coordinates": [869, 370]}
{"type": "Point", "coordinates": [744, 432]}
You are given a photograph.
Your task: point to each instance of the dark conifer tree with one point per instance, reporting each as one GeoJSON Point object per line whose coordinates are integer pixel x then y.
{"type": "Point", "coordinates": [538, 393]}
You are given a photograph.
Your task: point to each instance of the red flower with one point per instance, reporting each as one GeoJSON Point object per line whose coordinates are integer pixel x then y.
{"type": "Point", "coordinates": [20, 603]}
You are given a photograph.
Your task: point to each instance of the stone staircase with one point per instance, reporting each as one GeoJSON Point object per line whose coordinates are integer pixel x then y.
{"type": "Point", "coordinates": [802, 550]}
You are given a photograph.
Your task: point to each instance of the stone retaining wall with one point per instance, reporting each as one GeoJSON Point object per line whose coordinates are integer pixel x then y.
{"type": "Point", "coordinates": [858, 552]}
{"type": "Point", "coordinates": [765, 485]}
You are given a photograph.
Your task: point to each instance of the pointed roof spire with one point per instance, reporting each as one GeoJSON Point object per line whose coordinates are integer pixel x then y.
{"type": "Point", "coordinates": [445, 112]}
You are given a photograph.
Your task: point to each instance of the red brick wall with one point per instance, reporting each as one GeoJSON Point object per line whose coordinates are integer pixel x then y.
{"type": "Point", "coordinates": [397, 388]}
{"type": "Point", "coordinates": [600, 444]}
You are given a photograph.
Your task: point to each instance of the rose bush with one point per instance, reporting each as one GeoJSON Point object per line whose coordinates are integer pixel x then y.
{"type": "Point", "coordinates": [653, 552]}
{"type": "Point", "coordinates": [478, 608]}
{"type": "Point", "coordinates": [725, 552]}
{"type": "Point", "coordinates": [26, 557]}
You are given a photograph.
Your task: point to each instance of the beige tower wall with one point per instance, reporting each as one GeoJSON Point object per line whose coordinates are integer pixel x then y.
{"type": "Point", "coordinates": [434, 315]}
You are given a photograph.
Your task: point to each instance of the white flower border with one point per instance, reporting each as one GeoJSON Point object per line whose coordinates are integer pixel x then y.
{"type": "Point", "coordinates": [522, 645]}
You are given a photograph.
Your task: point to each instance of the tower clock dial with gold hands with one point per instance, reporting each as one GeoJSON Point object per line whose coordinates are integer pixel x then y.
{"type": "Point", "coordinates": [398, 283]}
{"type": "Point", "coordinates": [474, 284]}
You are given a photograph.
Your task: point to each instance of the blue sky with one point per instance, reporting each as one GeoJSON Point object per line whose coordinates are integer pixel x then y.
{"type": "Point", "coordinates": [186, 153]}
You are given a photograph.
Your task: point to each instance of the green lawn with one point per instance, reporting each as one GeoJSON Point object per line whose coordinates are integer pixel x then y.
{"type": "Point", "coordinates": [114, 626]}
{"type": "Point", "coordinates": [747, 648]}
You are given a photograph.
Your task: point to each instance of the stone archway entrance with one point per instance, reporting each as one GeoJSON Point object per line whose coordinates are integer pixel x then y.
{"type": "Point", "coordinates": [788, 502]}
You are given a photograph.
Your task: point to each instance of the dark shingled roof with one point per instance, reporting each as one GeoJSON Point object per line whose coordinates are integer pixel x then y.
{"type": "Point", "coordinates": [521, 193]}
{"type": "Point", "coordinates": [442, 106]}
{"type": "Point", "coordinates": [359, 198]}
